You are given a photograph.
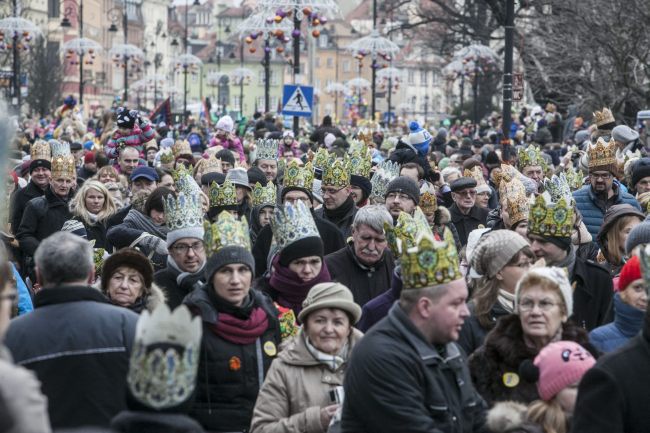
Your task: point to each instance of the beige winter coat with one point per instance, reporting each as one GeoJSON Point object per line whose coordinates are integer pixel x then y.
{"type": "Point", "coordinates": [295, 389]}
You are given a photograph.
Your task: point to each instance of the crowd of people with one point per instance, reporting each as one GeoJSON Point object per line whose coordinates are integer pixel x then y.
{"type": "Point", "coordinates": [240, 278]}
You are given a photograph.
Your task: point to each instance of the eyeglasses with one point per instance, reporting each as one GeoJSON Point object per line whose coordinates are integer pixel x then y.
{"type": "Point", "coordinates": [330, 191]}
{"type": "Point", "coordinates": [603, 176]}
{"type": "Point", "coordinates": [528, 305]}
{"type": "Point", "coordinates": [467, 192]}
{"type": "Point", "coordinates": [197, 247]}
{"type": "Point", "coordinates": [397, 196]}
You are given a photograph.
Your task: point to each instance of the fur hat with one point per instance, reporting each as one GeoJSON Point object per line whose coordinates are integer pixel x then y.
{"type": "Point", "coordinates": [330, 295]}
{"type": "Point", "coordinates": [130, 258]}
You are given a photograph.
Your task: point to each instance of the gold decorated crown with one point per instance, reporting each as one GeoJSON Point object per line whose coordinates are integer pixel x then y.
{"type": "Point", "coordinates": [227, 231]}
{"type": "Point", "coordinates": [292, 223]}
{"type": "Point", "coordinates": [166, 156]}
{"type": "Point", "coordinates": [517, 204]}
{"type": "Point", "coordinates": [264, 195]}
{"type": "Point", "coordinates": [224, 195]}
{"type": "Point", "coordinates": [551, 219]}
{"type": "Point", "coordinates": [297, 176]}
{"type": "Point", "coordinates": [64, 166]}
{"type": "Point", "coordinates": [430, 262]}
{"type": "Point", "coordinates": [477, 174]}
{"type": "Point", "coordinates": [184, 211]}
{"type": "Point", "coordinates": [184, 181]}
{"type": "Point", "coordinates": [531, 156]}
{"type": "Point", "coordinates": [181, 147]}
{"type": "Point", "coordinates": [602, 154]}
{"type": "Point", "coordinates": [336, 173]}
{"type": "Point", "coordinates": [212, 165]}
{"type": "Point", "coordinates": [402, 235]}
{"type": "Point", "coordinates": [267, 148]}
{"type": "Point", "coordinates": [322, 158]}
{"type": "Point", "coordinates": [360, 160]}
{"type": "Point", "coordinates": [428, 202]}
{"type": "Point", "coordinates": [180, 172]}
{"type": "Point", "coordinates": [41, 150]}
{"type": "Point", "coordinates": [574, 178]}
{"type": "Point", "coordinates": [604, 117]}
{"type": "Point", "coordinates": [365, 135]}
{"type": "Point", "coordinates": [505, 174]}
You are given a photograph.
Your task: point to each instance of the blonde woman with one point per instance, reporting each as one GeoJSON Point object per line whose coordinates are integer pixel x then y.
{"type": "Point", "coordinates": [91, 208]}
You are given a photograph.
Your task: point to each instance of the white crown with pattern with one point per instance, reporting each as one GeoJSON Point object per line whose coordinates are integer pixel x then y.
{"type": "Point", "coordinates": [184, 211]}
{"type": "Point", "coordinates": [292, 223]}
{"type": "Point", "coordinates": [386, 172]}
{"type": "Point", "coordinates": [267, 148]}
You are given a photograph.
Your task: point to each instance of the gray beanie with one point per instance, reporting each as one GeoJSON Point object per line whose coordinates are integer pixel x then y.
{"type": "Point", "coordinates": [406, 185]}
{"type": "Point", "coordinates": [186, 232]}
{"type": "Point", "coordinates": [228, 256]}
{"type": "Point", "coordinates": [495, 250]}
{"type": "Point", "coordinates": [638, 235]}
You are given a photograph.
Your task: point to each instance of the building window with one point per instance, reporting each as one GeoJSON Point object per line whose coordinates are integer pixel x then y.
{"type": "Point", "coordinates": [53, 8]}
{"type": "Point", "coordinates": [346, 66]}
{"type": "Point", "coordinates": [435, 78]}
{"type": "Point", "coordinates": [260, 77]}
{"type": "Point", "coordinates": [317, 62]}
{"type": "Point", "coordinates": [274, 103]}
{"type": "Point", "coordinates": [411, 76]}
{"type": "Point", "coordinates": [274, 78]}
{"type": "Point", "coordinates": [423, 77]}
{"type": "Point", "coordinates": [260, 103]}
{"type": "Point", "coordinates": [330, 62]}
{"type": "Point", "coordinates": [235, 103]}
{"type": "Point", "coordinates": [323, 41]}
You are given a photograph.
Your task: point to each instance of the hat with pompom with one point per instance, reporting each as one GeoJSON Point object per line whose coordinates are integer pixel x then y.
{"type": "Point", "coordinates": [419, 138]}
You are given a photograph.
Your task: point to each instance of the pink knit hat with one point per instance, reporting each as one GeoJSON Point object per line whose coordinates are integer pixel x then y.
{"type": "Point", "coordinates": [561, 364]}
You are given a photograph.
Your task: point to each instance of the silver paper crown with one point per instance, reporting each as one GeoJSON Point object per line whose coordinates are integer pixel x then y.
{"type": "Point", "coordinates": [59, 148]}
{"type": "Point", "coordinates": [184, 211]}
{"type": "Point", "coordinates": [292, 223]}
{"type": "Point", "coordinates": [558, 187]}
{"type": "Point", "coordinates": [386, 172]}
{"type": "Point", "coordinates": [267, 148]}
{"type": "Point", "coordinates": [165, 357]}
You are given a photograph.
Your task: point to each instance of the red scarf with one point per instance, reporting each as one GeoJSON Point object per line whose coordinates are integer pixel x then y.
{"type": "Point", "coordinates": [291, 290]}
{"type": "Point", "coordinates": [241, 331]}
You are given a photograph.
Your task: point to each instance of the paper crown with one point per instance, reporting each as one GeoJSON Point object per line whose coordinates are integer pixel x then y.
{"type": "Point", "coordinates": [212, 165]}
{"type": "Point", "coordinates": [428, 202]}
{"type": "Point", "coordinates": [504, 174]}
{"type": "Point", "coordinates": [430, 262]}
{"type": "Point", "coordinates": [292, 223]}
{"type": "Point", "coordinates": [165, 357]}
{"type": "Point", "coordinates": [227, 231]}
{"type": "Point", "coordinates": [184, 181]}
{"type": "Point", "coordinates": [604, 117]}
{"type": "Point", "coordinates": [298, 177]}
{"type": "Point", "coordinates": [402, 235]}
{"type": "Point", "coordinates": [63, 163]}
{"type": "Point", "coordinates": [267, 148]}
{"type": "Point", "coordinates": [360, 160]}
{"type": "Point", "coordinates": [477, 174]}
{"type": "Point", "coordinates": [531, 156]}
{"type": "Point", "coordinates": [181, 148]}
{"type": "Point", "coordinates": [551, 219]}
{"type": "Point", "coordinates": [365, 135]}
{"type": "Point", "coordinates": [602, 154]}
{"type": "Point", "coordinates": [386, 172]}
{"type": "Point", "coordinates": [184, 211]}
{"type": "Point", "coordinates": [336, 173]}
{"type": "Point", "coordinates": [574, 178]}
{"type": "Point", "coordinates": [41, 150]}
{"type": "Point", "coordinates": [59, 148]}
{"type": "Point", "coordinates": [224, 195]}
{"type": "Point", "coordinates": [557, 187]}
{"type": "Point", "coordinates": [264, 195]}
{"type": "Point", "coordinates": [517, 204]}
{"type": "Point", "coordinates": [166, 156]}
{"type": "Point", "coordinates": [322, 158]}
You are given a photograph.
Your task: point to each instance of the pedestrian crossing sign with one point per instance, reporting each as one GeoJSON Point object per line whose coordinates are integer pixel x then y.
{"type": "Point", "coordinates": [297, 100]}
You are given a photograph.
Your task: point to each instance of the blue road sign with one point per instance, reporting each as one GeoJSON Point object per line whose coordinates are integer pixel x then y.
{"type": "Point", "coordinates": [297, 100]}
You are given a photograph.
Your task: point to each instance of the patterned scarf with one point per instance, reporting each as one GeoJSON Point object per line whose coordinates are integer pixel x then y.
{"type": "Point", "coordinates": [333, 362]}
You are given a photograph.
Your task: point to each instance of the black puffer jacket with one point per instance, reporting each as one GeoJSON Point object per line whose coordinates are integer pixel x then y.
{"type": "Point", "coordinates": [229, 375]}
{"type": "Point", "coordinates": [19, 201]}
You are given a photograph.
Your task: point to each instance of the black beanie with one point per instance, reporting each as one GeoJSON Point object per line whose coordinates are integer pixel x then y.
{"type": "Point", "coordinates": [286, 189]}
{"type": "Point", "coordinates": [406, 185]}
{"type": "Point", "coordinates": [228, 256]}
{"type": "Point", "coordinates": [36, 163]}
{"type": "Point", "coordinates": [306, 247]}
{"type": "Point", "coordinates": [363, 183]}
{"type": "Point", "coordinates": [256, 175]}
{"type": "Point", "coordinates": [226, 156]}
{"type": "Point", "coordinates": [640, 170]}
{"type": "Point", "coordinates": [208, 178]}
{"type": "Point", "coordinates": [563, 243]}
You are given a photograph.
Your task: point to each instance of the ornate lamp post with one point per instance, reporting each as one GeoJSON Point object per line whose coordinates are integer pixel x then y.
{"type": "Point", "coordinates": [188, 64]}
{"type": "Point", "coordinates": [123, 55]}
{"type": "Point", "coordinates": [393, 76]}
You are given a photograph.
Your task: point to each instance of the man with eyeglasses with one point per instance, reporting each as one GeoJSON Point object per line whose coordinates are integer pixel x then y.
{"type": "Point", "coordinates": [402, 195]}
{"type": "Point", "coordinates": [338, 204]}
{"type": "Point", "coordinates": [603, 190]}
{"type": "Point", "coordinates": [465, 214]}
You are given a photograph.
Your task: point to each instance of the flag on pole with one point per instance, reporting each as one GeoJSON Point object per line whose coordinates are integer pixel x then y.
{"type": "Point", "coordinates": [162, 113]}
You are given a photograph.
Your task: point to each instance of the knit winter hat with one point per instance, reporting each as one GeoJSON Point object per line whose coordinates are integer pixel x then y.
{"type": "Point", "coordinates": [559, 365]}
{"type": "Point", "coordinates": [406, 185]}
{"type": "Point", "coordinates": [638, 235]}
{"type": "Point", "coordinates": [330, 295]}
{"type": "Point", "coordinates": [227, 256]}
{"type": "Point", "coordinates": [126, 118]}
{"type": "Point", "coordinates": [130, 258]}
{"type": "Point", "coordinates": [363, 183]}
{"type": "Point", "coordinates": [495, 250]}
{"type": "Point", "coordinates": [256, 175]}
{"type": "Point", "coordinates": [640, 169]}
{"type": "Point", "coordinates": [89, 158]}
{"type": "Point", "coordinates": [555, 275]}
{"type": "Point", "coordinates": [226, 124]}
{"type": "Point", "coordinates": [631, 272]}
{"type": "Point", "coordinates": [419, 138]}
{"type": "Point", "coordinates": [305, 247]}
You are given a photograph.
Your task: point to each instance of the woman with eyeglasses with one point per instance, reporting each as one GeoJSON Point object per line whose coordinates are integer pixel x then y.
{"type": "Point", "coordinates": [543, 303]}
{"type": "Point", "coordinates": [500, 259]}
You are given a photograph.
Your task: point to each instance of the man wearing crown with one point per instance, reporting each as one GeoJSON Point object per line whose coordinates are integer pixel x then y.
{"type": "Point", "coordinates": [338, 205]}
{"type": "Point", "coordinates": [267, 158]}
{"type": "Point", "coordinates": [603, 190]}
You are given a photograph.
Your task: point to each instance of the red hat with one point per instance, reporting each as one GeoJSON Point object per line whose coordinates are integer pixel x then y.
{"type": "Point", "coordinates": [89, 158]}
{"type": "Point", "coordinates": [630, 273]}
{"type": "Point", "coordinates": [561, 364]}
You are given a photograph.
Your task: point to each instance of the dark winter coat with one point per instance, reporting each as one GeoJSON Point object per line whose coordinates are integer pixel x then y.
{"type": "Point", "coordinates": [397, 382]}
{"type": "Point", "coordinates": [476, 217]}
{"type": "Point", "coordinates": [83, 374]}
{"type": "Point", "coordinates": [592, 295]}
{"type": "Point", "coordinates": [230, 375]}
{"type": "Point", "coordinates": [364, 282]}
{"type": "Point", "coordinates": [20, 199]}
{"type": "Point", "coordinates": [96, 232]}
{"type": "Point", "coordinates": [376, 309]}
{"type": "Point", "coordinates": [473, 332]}
{"type": "Point", "coordinates": [118, 218]}
{"type": "Point", "coordinates": [329, 233]}
{"type": "Point", "coordinates": [344, 224]}
{"type": "Point", "coordinates": [593, 209]}
{"type": "Point", "coordinates": [150, 422]}
{"type": "Point", "coordinates": [628, 321]}
{"type": "Point", "coordinates": [503, 352]}
{"type": "Point", "coordinates": [318, 136]}
{"type": "Point", "coordinates": [613, 395]}
{"type": "Point", "coordinates": [405, 153]}
{"type": "Point", "coordinates": [43, 216]}
{"type": "Point", "coordinates": [167, 279]}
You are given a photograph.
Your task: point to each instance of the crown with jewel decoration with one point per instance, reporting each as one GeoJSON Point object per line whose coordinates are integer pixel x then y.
{"type": "Point", "coordinates": [402, 235]}
{"type": "Point", "coordinates": [267, 148]}
{"type": "Point", "coordinates": [602, 155]}
{"type": "Point", "coordinates": [292, 223]}
{"type": "Point", "coordinates": [63, 163]}
{"type": "Point", "coordinates": [212, 165]}
{"type": "Point", "coordinates": [477, 174]}
{"type": "Point", "coordinates": [184, 181]}
{"type": "Point", "coordinates": [336, 173]}
{"type": "Point", "coordinates": [222, 195]}
{"type": "Point", "coordinates": [165, 357]}
{"type": "Point", "coordinates": [41, 150]}
{"type": "Point", "coordinates": [184, 211]}
{"type": "Point", "coordinates": [322, 158]}
{"type": "Point", "coordinates": [574, 178]}
{"type": "Point", "coordinates": [386, 172]}
{"type": "Point", "coordinates": [430, 262]}
{"type": "Point", "coordinates": [360, 160]}
{"type": "Point", "coordinates": [166, 156]}
{"type": "Point", "coordinates": [531, 156]}
{"type": "Point", "coordinates": [504, 174]}
{"type": "Point", "coordinates": [428, 202]}
{"type": "Point", "coordinates": [227, 231]}
{"type": "Point", "coordinates": [557, 187]}
{"type": "Point", "coordinates": [604, 117]}
{"type": "Point", "coordinates": [298, 177]}
{"type": "Point", "coordinates": [547, 218]}
{"type": "Point", "coordinates": [365, 135]}
{"type": "Point", "coordinates": [517, 204]}
{"type": "Point", "coordinates": [264, 195]}
{"type": "Point", "coordinates": [181, 148]}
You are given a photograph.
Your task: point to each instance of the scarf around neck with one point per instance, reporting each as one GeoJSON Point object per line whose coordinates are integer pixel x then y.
{"type": "Point", "coordinates": [568, 262]}
{"type": "Point", "coordinates": [144, 223]}
{"type": "Point", "coordinates": [507, 300]}
{"type": "Point", "coordinates": [333, 362]}
{"type": "Point", "coordinates": [290, 288]}
{"type": "Point", "coordinates": [340, 212]}
{"type": "Point", "coordinates": [181, 276]}
{"type": "Point", "coordinates": [238, 325]}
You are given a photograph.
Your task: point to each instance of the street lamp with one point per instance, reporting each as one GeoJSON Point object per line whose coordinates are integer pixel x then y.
{"type": "Point", "coordinates": [113, 28]}
{"type": "Point", "coordinates": [392, 75]}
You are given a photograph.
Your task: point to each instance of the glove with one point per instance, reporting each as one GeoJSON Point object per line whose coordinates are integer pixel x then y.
{"type": "Point", "coordinates": [154, 243]}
